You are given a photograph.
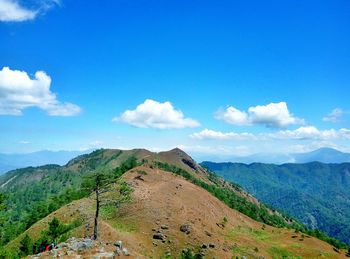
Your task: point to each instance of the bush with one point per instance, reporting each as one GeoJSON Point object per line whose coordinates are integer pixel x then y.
{"type": "Point", "coordinates": [125, 166]}
{"type": "Point", "coordinates": [26, 246]}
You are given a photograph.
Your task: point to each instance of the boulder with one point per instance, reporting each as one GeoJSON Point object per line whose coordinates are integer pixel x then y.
{"type": "Point", "coordinates": [208, 233]}
{"type": "Point", "coordinates": [186, 228]}
{"type": "Point", "coordinates": [159, 236]}
{"type": "Point", "coordinates": [164, 227]}
{"type": "Point", "coordinates": [125, 252]}
{"type": "Point", "coordinates": [119, 244]}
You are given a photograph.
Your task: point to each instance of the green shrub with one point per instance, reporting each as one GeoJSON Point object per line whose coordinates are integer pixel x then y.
{"type": "Point", "coordinates": [26, 246]}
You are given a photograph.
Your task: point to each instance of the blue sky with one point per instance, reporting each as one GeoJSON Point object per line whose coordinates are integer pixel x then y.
{"type": "Point", "coordinates": [212, 77]}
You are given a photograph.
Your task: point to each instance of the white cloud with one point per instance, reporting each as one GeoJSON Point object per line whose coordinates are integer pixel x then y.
{"type": "Point", "coordinates": [311, 132]}
{"type": "Point", "coordinates": [218, 135]}
{"type": "Point", "coordinates": [233, 116]}
{"type": "Point", "coordinates": [334, 115]}
{"type": "Point", "coordinates": [153, 114]}
{"type": "Point", "coordinates": [18, 91]}
{"type": "Point", "coordinates": [301, 133]}
{"type": "Point", "coordinates": [13, 11]}
{"type": "Point", "coordinates": [272, 115]}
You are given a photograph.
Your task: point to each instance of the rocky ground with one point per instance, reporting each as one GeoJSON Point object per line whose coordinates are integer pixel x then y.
{"type": "Point", "coordinates": [86, 248]}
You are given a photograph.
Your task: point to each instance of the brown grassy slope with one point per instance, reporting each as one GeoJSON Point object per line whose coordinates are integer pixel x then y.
{"type": "Point", "coordinates": [114, 157]}
{"type": "Point", "coordinates": [161, 198]}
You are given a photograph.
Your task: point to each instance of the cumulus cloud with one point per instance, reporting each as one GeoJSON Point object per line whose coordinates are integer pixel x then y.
{"type": "Point", "coordinates": [311, 132]}
{"type": "Point", "coordinates": [301, 133]}
{"type": "Point", "coordinates": [233, 116]}
{"type": "Point", "coordinates": [334, 115]}
{"type": "Point", "coordinates": [218, 135]}
{"type": "Point", "coordinates": [153, 114]}
{"type": "Point", "coordinates": [13, 11]}
{"type": "Point", "coordinates": [272, 115]}
{"type": "Point", "coordinates": [18, 91]}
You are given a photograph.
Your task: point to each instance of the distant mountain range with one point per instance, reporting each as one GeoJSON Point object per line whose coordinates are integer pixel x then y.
{"type": "Point", "coordinates": [13, 161]}
{"type": "Point", "coordinates": [323, 155]}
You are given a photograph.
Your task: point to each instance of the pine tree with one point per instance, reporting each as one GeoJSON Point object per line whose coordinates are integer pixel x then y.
{"type": "Point", "coordinates": [26, 245]}
{"type": "Point", "coordinates": [98, 183]}
{"type": "Point", "coordinates": [2, 202]}
{"type": "Point", "coordinates": [55, 229]}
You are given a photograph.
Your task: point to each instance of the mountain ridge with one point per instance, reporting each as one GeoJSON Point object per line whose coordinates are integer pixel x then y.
{"type": "Point", "coordinates": [10, 162]}
{"type": "Point", "coordinates": [323, 155]}
{"type": "Point", "coordinates": [169, 188]}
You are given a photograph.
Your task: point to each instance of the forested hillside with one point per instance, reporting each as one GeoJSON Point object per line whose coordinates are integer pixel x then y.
{"type": "Point", "coordinates": [34, 192]}
{"type": "Point", "coordinates": [315, 193]}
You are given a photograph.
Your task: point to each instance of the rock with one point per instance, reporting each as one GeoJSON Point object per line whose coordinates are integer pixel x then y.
{"type": "Point", "coordinates": [62, 245]}
{"type": "Point", "coordinates": [208, 233]}
{"type": "Point", "coordinates": [220, 225]}
{"type": "Point", "coordinates": [53, 253]}
{"type": "Point", "coordinates": [186, 228]}
{"type": "Point", "coordinates": [164, 227]}
{"type": "Point", "coordinates": [201, 254]}
{"type": "Point", "coordinates": [125, 252]}
{"type": "Point", "coordinates": [211, 245]}
{"type": "Point", "coordinates": [119, 244]}
{"type": "Point", "coordinates": [204, 246]}
{"type": "Point", "coordinates": [118, 251]}
{"type": "Point", "coordinates": [81, 245]}
{"type": "Point", "coordinates": [159, 236]}
{"type": "Point", "coordinates": [104, 255]}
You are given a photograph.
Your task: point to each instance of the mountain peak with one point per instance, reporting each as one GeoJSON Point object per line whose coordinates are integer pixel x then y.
{"type": "Point", "coordinates": [323, 155]}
